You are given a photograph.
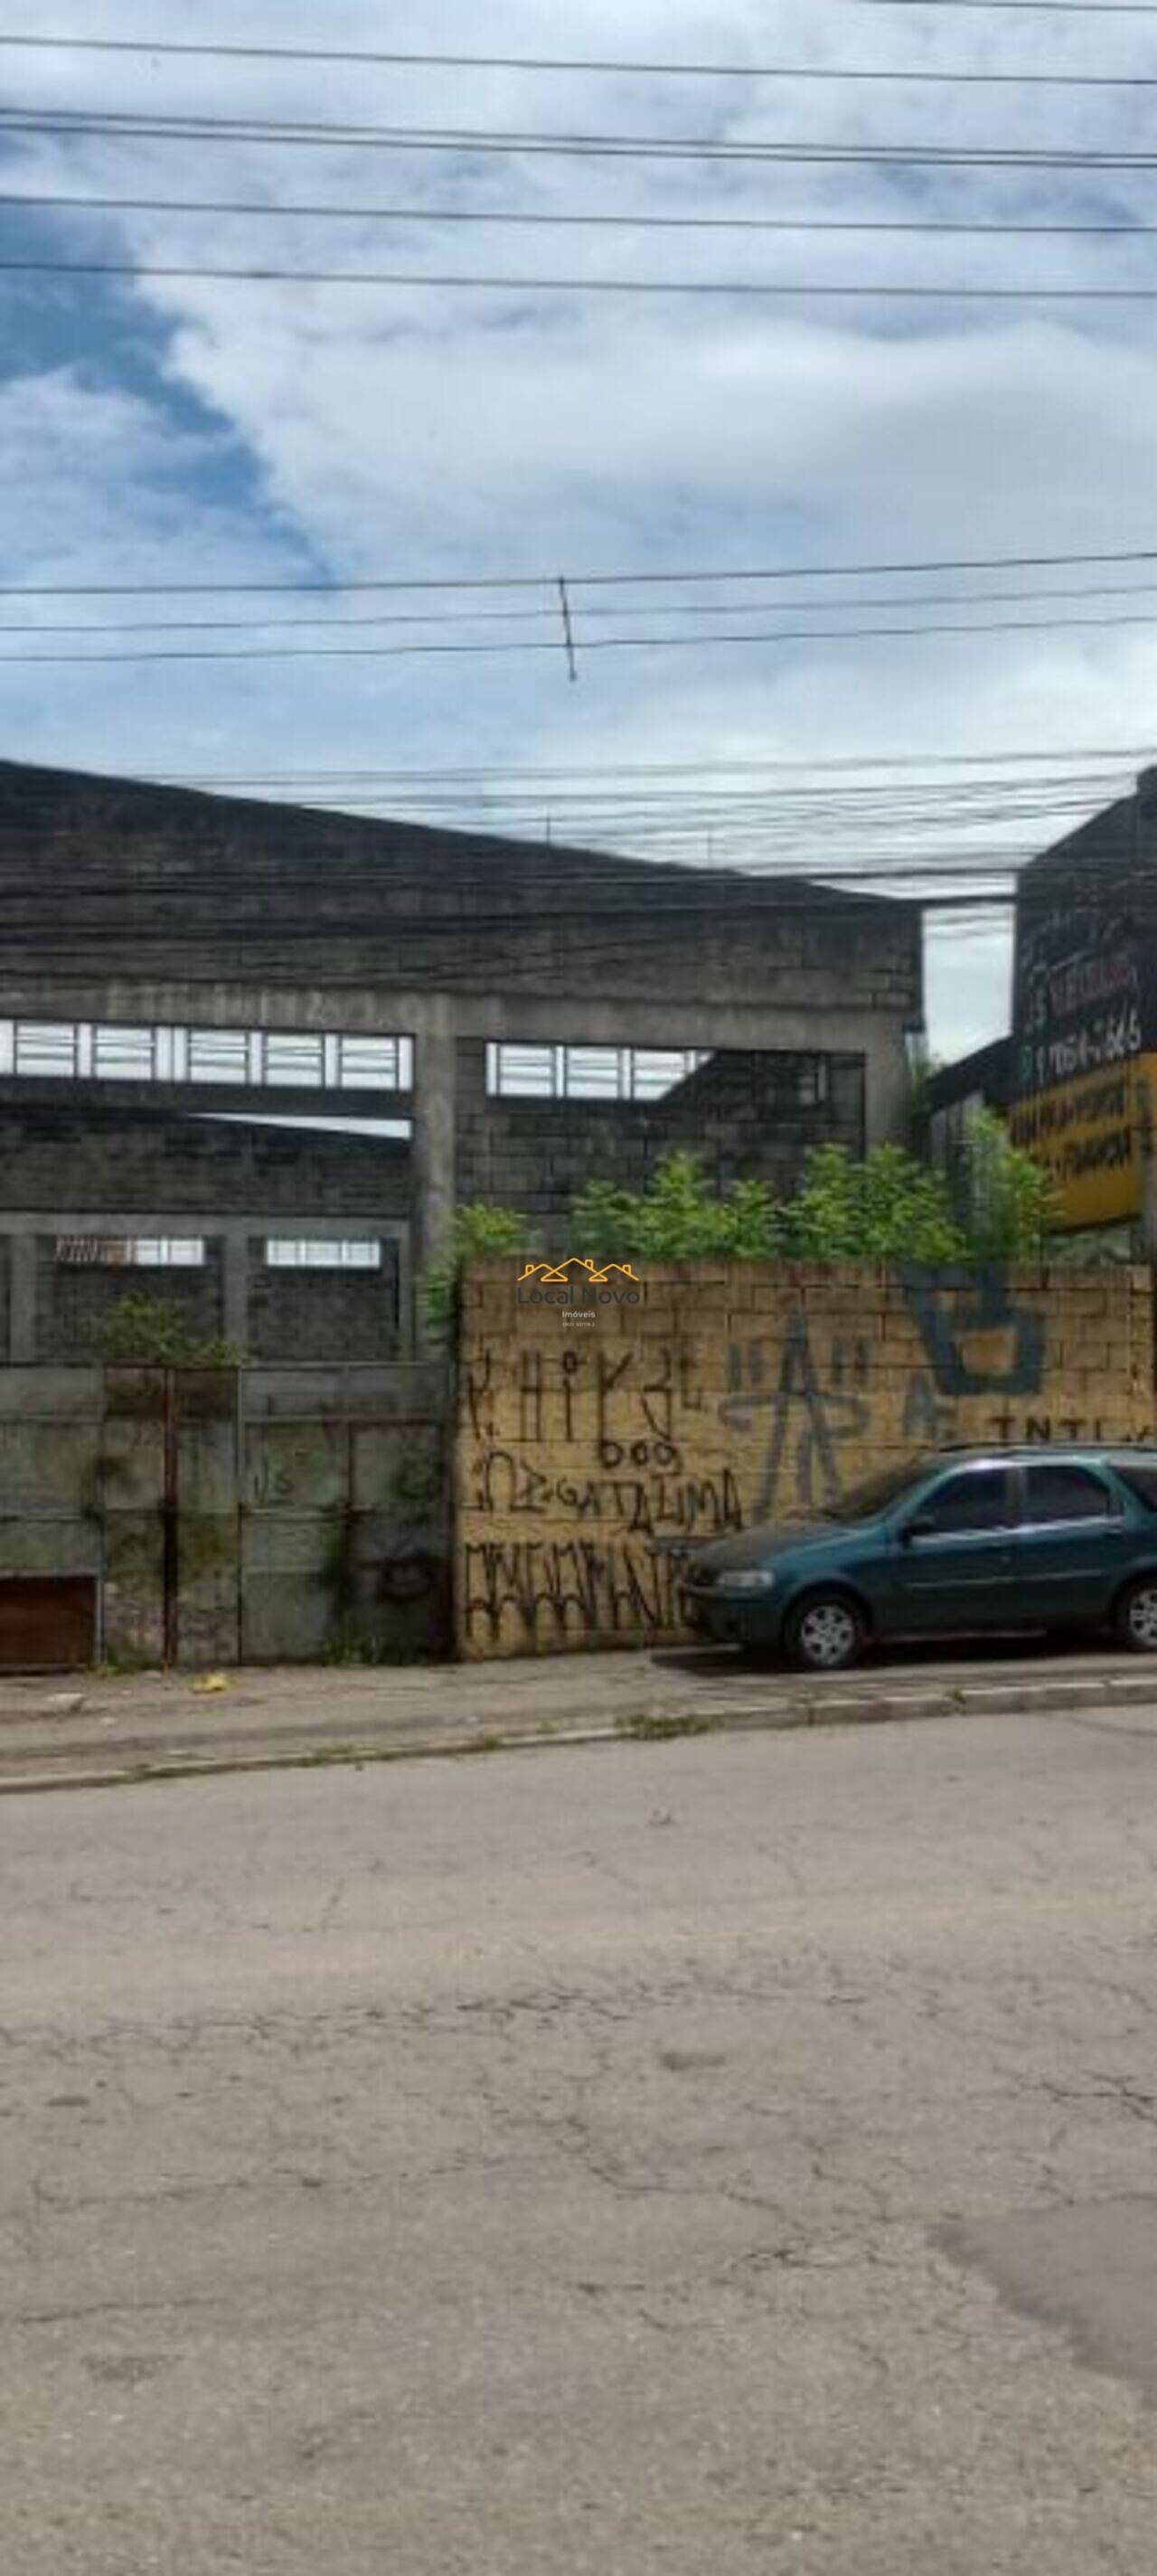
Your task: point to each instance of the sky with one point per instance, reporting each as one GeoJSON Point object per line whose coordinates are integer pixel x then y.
{"type": "Point", "coordinates": [173, 430]}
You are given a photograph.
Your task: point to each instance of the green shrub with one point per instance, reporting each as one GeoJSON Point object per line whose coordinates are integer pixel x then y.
{"type": "Point", "coordinates": [151, 1332]}
{"type": "Point", "coordinates": [1007, 1201]}
{"type": "Point", "coordinates": [887, 1207]}
{"type": "Point", "coordinates": [477, 1233]}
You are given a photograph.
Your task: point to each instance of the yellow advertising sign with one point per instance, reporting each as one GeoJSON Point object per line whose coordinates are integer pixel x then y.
{"type": "Point", "coordinates": [1088, 1135]}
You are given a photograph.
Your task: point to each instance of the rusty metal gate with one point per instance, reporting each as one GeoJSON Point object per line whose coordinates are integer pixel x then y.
{"type": "Point", "coordinates": [47, 1622]}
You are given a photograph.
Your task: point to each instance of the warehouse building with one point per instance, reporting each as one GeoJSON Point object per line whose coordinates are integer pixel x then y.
{"type": "Point", "coordinates": [252, 1054]}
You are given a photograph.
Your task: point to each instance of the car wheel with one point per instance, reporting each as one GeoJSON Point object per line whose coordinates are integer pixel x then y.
{"type": "Point", "coordinates": [1136, 1615]}
{"type": "Point", "coordinates": [825, 1634]}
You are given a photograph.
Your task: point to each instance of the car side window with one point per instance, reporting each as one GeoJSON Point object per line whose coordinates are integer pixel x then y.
{"type": "Point", "coordinates": [1141, 1481]}
{"type": "Point", "coordinates": [1055, 1491]}
{"type": "Point", "coordinates": [980, 1498]}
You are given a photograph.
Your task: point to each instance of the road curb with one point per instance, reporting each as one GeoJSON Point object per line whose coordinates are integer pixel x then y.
{"type": "Point", "coordinates": [769, 1714]}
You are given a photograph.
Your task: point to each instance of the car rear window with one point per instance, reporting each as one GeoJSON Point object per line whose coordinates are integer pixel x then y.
{"type": "Point", "coordinates": [1140, 1480]}
{"type": "Point", "coordinates": [1056, 1491]}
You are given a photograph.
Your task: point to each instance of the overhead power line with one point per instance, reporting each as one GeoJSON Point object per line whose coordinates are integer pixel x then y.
{"type": "Point", "coordinates": [798, 289]}
{"type": "Point", "coordinates": [1131, 754]}
{"type": "Point", "coordinates": [368, 57]}
{"type": "Point", "coordinates": [541, 616]}
{"type": "Point", "coordinates": [575, 581]}
{"type": "Point", "coordinates": [540, 219]}
{"type": "Point", "coordinates": [886, 803]}
{"type": "Point", "coordinates": [766, 152]}
{"type": "Point", "coordinates": [1030, 8]}
{"type": "Point", "coordinates": [584, 646]}
{"type": "Point", "coordinates": [92, 941]}
{"type": "Point", "coordinates": [775, 808]}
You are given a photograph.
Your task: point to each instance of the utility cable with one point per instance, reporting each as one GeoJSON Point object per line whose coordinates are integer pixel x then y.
{"type": "Point", "coordinates": [765, 151]}
{"type": "Point", "coordinates": [368, 57]}
{"type": "Point", "coordinates": [809, 291]}
{"type": "Point", "coordinates": [536, 220]}
{"type": "Point", "coordinates": [576, 582]}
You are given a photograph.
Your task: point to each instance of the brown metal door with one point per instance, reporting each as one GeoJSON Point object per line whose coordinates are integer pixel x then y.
{"type": "Point", "coordinates": [47, 1621]}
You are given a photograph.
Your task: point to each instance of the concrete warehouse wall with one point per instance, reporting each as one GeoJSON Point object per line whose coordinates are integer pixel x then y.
{"type": "Point", "coordinates": [72, 1302]}
{"type": "Point", "coordinates": [82, 1154]}
{"type": "Point", "coordinates": [222, 887]}
{"type": "Point", "coordinates": [591, 1454]}
{"type": "Point", "coordinates": [234, 914]}
{"type": "Point", "coordinates": [85, 1170]}
{"type": "Point", "coordinates": [744, 1117]}
{"type": "Point", "coordinates": [283, 1316]}
{"type": "Point", "coordinates": [264, 1515]}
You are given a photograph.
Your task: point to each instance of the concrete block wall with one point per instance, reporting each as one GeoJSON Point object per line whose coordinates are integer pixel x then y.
{"type": "Point", "coordinates": [74, 1299]}
{"type": "Point", "coordinates": [323, 1314]}
{"type": "Point", "coordinates": [234, 887]}
{"type": "Point", "coordinates": [590, 1457]}
{"type": "Point", "coordinates": [87, 1170]}
{"type": "Point", "coordinates": [290, 1315]}
{"type": "Point", "coordinates": [86, 1156]}
{"type": "Point", "coordinates": [745, 1116]}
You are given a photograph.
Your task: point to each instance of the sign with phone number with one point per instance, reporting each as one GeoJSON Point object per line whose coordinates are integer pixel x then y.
{"type": "Point", "coordinates": [1084, 1014]}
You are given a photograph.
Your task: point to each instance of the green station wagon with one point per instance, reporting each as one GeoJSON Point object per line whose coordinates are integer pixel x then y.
{"type": "Point", "coordinates": [961, 1543]}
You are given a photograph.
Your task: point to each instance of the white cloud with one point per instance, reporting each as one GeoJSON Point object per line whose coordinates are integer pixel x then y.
{"type": "Point", "coordinates": [419, 433]}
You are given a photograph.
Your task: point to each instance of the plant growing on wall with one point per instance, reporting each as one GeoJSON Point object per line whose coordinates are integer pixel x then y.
{"type": "Point", "coordinates": [1008, 1202]}
{"type": "Point", "coordinates": [152, 1332]}
{"type": "Point", "coordinates": [477, 1233]}
{"type": "Point", "coordinates": [677, 1218]}
{"type": "Point", "coordinates": [888, 1207]}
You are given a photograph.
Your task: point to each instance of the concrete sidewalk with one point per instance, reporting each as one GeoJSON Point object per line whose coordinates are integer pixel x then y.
{"type": "Point", "coordinates": [92, 1730]}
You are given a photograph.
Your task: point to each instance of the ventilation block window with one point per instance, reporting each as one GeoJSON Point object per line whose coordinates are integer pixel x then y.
{"type": "Point", "coordinates": [218, 1055]}
{"type": "Point", "coordinates": [516, 1072]}
{"type": "Point", "coordinates": [316, 1252]}
{"type": "Point", "coordinates": [131, 1251]}
{"type": "Point", "coordinates": [297, 1059]}
{"type": "Point", "coordinates": [45, 1047]}
{"type": "Point", "coordinates": [124, 1055]}
{"type": "Point", "coordinates": [308, 1059]}
{"type": "Point", "coordinates": [375, 1064]}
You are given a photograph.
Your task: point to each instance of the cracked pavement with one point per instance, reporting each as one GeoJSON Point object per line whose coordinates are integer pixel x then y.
{"type": "Point", "coordinates": [729, 2154]}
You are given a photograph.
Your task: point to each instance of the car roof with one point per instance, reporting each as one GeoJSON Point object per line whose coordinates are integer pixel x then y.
{"type": "Point", "coordinates": [1034, 1452]}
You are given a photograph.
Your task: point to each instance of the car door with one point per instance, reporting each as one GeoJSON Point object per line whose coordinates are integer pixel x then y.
{"type": "Point", "coordinates": [954, 1560]}
{"type": "Point", "coordinates": [1073, 1545]}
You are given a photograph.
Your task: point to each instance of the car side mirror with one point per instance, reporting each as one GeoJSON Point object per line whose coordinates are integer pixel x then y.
{"type": "Point", "coordinates": [922, 1526]}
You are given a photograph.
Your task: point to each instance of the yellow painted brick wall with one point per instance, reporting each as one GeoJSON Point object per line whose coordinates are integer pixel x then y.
{"type": "Point", "coordinates": [590, 1454]}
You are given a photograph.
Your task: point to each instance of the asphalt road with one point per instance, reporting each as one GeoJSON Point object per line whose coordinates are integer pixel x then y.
{"type": "Point", "coordinates": [707, 2158]}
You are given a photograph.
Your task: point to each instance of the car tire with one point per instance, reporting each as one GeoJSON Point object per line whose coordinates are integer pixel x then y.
{"type": "Point", "coordinates": [1135, 1617]}
{"type": "Point", "coordinates": [826, 1633]}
